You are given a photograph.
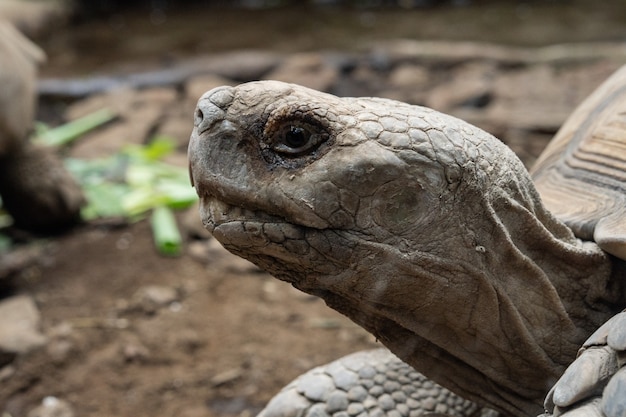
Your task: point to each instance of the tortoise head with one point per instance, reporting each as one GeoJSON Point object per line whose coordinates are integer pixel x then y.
{"type": "Point", "coordinates": [421, 228]}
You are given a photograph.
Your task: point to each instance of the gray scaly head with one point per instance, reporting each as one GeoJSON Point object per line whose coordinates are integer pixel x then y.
{"type": "Point", "coordinates": [421, 228]}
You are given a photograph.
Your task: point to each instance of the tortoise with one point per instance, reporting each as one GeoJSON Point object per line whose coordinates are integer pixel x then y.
{"type": "Point", "coordinates": [432, 235]}
{"type": "Point", "coordinates": [36, 189]}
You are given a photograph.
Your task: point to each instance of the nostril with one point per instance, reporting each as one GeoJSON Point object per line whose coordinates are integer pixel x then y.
{"type": "Point", "coordinates": [212, 107]}
{"type": "Point", "coordinates": [198, 117]}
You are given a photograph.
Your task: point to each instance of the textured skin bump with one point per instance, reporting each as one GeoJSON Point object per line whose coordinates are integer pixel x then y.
{"type": "Point", "coordinates": [425, 230]}
{"type": "Point", "coordinates": [366, 384]}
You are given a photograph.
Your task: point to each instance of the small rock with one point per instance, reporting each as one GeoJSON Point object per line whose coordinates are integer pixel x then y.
{"type": "Point", "coordinates": [154, 297]}
{"type": "Point", "coordinates": [60, 350]}
{"type": "Point", "coordinates": [134, 351]}
{"type": "Point", "coordinates": [19, 327]}
{"type": "Point", "coordinates": [20, 259]}
{"type": "Point", "coordinates": [6, 373]}
{"type": "Point", "coordinates": [227, 376]}
{"type": "Point", "coordinates": [61, 342]}
{"type": "Point", "coordinates": [52, 407]}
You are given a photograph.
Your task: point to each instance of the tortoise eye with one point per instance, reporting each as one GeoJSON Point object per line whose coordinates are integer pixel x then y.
{"type": "Point", "coordinates": [296, 140]}
{"type": "Point", "coordinates": [296, 137]}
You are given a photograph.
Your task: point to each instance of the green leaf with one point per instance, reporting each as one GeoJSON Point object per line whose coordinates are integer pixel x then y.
{"type": "Point", "coordinates": [104, 200]}
{"type": "Point", "coordinates": [70, 131]}
{"type": "Point", "coordinates": [167, 238]}
{"type": "Point", "coordinates": [157, 148]}
{"type": "Point", "coordinates": [135, 182]}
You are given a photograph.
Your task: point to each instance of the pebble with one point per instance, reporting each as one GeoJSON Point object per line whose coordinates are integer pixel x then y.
{"type": "Point", "coordinates": [52, 407]}
{"type": "Point", "coordinates": [19, 327]}
{"type": "Point", "coordinates": [151, 298]}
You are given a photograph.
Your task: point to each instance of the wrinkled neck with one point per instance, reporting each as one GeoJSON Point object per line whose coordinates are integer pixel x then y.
{"type": "Point", "coordinates": [495, 312]}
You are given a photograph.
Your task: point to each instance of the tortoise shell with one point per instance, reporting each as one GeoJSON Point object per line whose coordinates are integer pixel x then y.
{"type": "Point", "coordinates": [581, 175]}
{"type": "Point", "coordinates": [18, 77]}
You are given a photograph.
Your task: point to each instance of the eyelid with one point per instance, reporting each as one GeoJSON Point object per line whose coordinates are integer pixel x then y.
{"type": "Point", "coordinates": [315, 139]}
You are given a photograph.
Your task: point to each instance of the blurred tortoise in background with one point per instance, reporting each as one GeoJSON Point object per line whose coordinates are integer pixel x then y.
{"type": "Point", "coordinates": [431, 234]}
{"type": "Point", "coordinates": [35, 188]}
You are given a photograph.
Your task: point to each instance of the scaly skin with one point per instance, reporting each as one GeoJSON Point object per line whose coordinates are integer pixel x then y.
{"type": "Point", "coordinates": [372, 383]}
{"type": "Point", "coordinates": [421, 228]}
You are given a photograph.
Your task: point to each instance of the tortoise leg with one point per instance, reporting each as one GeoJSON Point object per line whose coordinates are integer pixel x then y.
{"type": "Point", "coordinates": [373, 383]}
{"type": "Point", "coordinates": [594, 384]}
{"type": "Point", "coordinates": [37, 190]}
{"type": "Point", "coordinates": [610, 234]}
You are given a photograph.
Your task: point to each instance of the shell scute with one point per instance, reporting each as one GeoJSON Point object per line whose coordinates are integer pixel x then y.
{"type": "Point", "coordinates": [581, 175]}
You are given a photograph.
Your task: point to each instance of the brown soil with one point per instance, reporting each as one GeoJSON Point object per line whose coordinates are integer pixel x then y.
{"type": "Point", "coordinates": [232, 339]}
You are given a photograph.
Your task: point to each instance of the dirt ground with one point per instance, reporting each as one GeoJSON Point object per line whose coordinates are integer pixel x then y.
{"type": "Point", "coordinates": [133, 333]}
{"type": "Point", "coordinates": [228, 340]}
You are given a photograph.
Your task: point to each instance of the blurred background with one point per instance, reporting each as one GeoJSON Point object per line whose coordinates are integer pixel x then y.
{"type": "Point", "coordinates": [113, 299]}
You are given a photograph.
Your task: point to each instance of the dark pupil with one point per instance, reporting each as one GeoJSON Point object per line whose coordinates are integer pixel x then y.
{"type": "Point", "coordinates": [296, 137]}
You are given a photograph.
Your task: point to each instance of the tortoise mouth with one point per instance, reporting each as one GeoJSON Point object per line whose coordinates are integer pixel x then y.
{"type": "Point", "coordinates": [276, 245]}
{"type": "Point", "coordinates": [215, 213]}
{"type": "Point", "coordinates": [232, 224]}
